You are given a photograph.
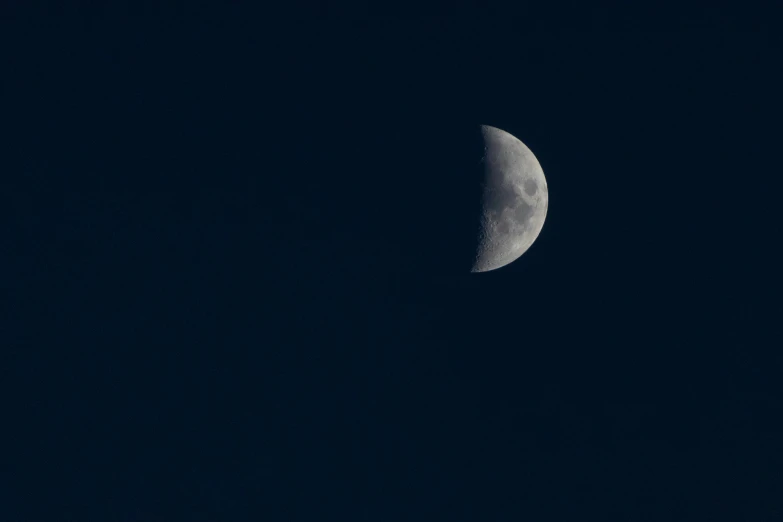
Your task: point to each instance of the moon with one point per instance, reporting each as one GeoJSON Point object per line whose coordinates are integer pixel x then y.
{"type": "Point", "coordinates": [514, 200]}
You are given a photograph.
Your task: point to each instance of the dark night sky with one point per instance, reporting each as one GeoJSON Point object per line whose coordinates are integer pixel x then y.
{"type": "Point", "coordinates": [232, 244]}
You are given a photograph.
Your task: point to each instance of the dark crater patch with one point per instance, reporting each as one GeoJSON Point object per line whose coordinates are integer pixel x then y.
{"type": "Point", "coordinates": [501, 198]}
{"type": "Point", "coordinates": [523, 212]}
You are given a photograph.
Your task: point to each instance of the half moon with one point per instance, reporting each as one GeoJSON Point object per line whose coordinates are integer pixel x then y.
{"type": "Point", "coordinates": [514, 200]}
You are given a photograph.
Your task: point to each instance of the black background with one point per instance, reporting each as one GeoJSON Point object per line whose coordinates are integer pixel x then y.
{"type": "Point", "coordinates": [232, 265]}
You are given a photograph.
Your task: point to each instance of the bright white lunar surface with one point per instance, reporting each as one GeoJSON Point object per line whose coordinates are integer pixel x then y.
{"type": "Point", "coordinates": [514, 201]}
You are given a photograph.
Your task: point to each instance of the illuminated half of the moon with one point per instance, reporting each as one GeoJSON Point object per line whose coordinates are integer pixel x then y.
{"type": "Point", "coordinates": [514, 200]}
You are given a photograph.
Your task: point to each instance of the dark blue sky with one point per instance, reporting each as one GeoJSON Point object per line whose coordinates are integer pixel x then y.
{"type": "Point", "coordinates": [232, 245]}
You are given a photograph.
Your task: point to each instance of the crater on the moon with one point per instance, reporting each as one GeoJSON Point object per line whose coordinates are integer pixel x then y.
{"type": "Point", "coordinates": [502, 199]}
{"type": "Point", "coordinates": [522, 212]}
